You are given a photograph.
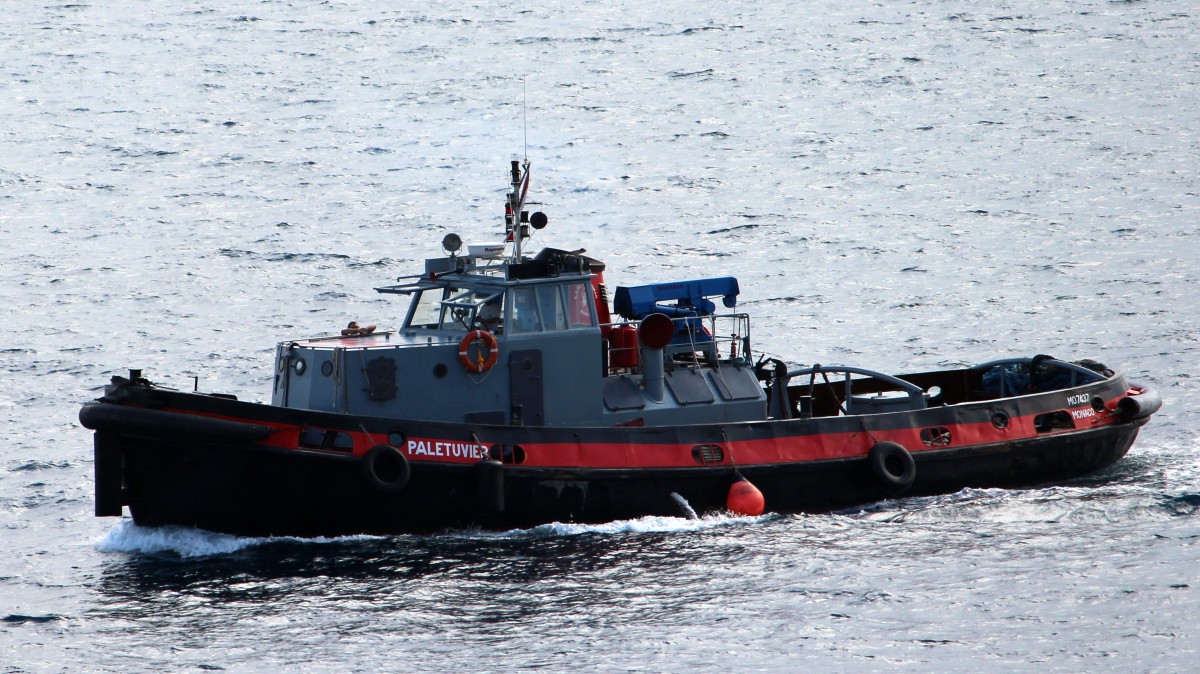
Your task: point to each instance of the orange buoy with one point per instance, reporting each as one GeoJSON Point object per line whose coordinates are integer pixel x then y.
{"type": "Point", "coordinates": [745, 499]}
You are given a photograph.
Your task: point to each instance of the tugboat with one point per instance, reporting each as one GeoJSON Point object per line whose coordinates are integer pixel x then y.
{"type": "Point", "coordinates": [510, 396]}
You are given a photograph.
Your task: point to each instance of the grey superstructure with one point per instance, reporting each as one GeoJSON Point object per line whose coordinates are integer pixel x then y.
{"type": "Point", "coordinates": [554, 365]}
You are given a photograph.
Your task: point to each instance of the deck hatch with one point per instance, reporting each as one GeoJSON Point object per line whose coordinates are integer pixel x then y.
{"type": "Point", "coordinates": [735, 386]}
{"type": "Point", "coordinates": [689, 387]}
{"type": "Point", "coordinates": [621, 393]}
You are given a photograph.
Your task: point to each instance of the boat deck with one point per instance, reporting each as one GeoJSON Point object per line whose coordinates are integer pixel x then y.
{"type": "Point", "coordinates": [376, 340]}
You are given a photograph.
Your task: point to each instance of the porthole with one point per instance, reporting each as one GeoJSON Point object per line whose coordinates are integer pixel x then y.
{"type": "Point", "coordinates": [440, 370]}
{"type": "Point", "coordinates": [327, 368]}
{"type": "Point", "coordinates": [1000, 419]}
{"type": "Point", "coordinates": [397, 439]}
{"type": "Point", "coordinates": [300, 366]}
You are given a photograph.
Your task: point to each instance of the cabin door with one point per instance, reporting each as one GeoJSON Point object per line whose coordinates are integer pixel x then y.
{"type": "Point", "coordinates": [525, 388]}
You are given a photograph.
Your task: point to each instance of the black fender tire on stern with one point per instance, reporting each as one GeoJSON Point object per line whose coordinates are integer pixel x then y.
{"type": "Point", "coordinates": [893, 465]}
{"type": "Point", "coordinates": [386, 468]}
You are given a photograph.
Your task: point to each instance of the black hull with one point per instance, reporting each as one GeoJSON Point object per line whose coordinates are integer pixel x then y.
{"type": "Point", "coordinates": [224, 465]}
{"type": "Point", "coordinates": [258, 491]}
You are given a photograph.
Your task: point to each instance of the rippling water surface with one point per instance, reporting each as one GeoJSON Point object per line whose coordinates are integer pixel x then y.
{"type": "Point", "coordinates": [899, 185]}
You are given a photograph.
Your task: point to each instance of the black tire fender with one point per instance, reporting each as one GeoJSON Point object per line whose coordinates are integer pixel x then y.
{"type": "Point", "coordinates": [386, 468]}
{"type": "Point", "coordinates": [892, 464]}
{"type": "Point", "coordinates": [1147, 402]}
{"type": "Point", "coordinates": [490, 479]}
{"type": "Point", "coordinates": [127, 420]}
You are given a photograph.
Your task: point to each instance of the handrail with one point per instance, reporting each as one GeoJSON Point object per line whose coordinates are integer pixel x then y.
{"type": "Point", "coordinates": [915, 393]}
{"type": "Point", "coordinates": [1090, 376]}
{"type": "Point", "coordinates": [742, 334]}
{"type": "Point", "coordinates": [1073, 367]}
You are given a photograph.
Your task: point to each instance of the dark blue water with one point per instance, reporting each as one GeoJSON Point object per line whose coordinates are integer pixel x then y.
{"type": "Point", "coordinates": [902, 186]}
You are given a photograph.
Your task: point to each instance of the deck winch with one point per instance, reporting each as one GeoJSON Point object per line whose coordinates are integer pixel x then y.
{"type": "Point", "coordinates": [691, 301]}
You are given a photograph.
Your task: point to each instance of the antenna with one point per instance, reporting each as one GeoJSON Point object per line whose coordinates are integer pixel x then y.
{"type": "Point", "coordinates": [525, 118]}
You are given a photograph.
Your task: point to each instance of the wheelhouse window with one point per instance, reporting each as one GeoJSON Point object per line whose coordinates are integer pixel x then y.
{"type": "Point", "coordinates": [458, 311]}
{"type": "Point", "coordinates": [451, 308]}
{"type": "Point", "coordinates": [550, 303]}
{"type": "Point", "coordinates": [461, 310]}
{"type": "Point", "coordinates": [552, 307]}
{"type": "Point", "coordinates": [525, 316]}
{"type": "Point", "coordinates": [533, 308]}
{"type": "Point", "coordinates": [580, 306]}
{"type": "Point", "coordinates": [426, 311]}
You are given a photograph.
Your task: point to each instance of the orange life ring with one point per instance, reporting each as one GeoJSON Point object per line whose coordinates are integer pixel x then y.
{"type": "Point", "coordinates": [480, 364]}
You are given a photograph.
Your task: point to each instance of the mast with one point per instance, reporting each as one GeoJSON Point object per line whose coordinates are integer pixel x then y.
{"type": "Point", "coordinates": [516, 218]}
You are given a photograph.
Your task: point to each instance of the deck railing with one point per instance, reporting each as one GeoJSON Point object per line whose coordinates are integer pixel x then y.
{"type": "Point", "coordinates": [697, 339]}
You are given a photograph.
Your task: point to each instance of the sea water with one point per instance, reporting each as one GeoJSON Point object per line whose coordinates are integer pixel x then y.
{"type": "Point", "coordinates": [902, 186]}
